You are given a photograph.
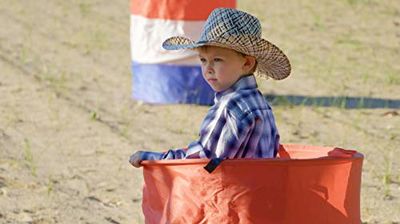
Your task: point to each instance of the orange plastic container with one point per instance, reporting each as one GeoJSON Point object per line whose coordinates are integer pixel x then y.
{"type": "Point", "coordinates": [306, 184]}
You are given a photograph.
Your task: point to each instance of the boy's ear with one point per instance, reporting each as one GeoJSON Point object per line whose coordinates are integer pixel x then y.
{"type": "Point", "coordinates": [249, 63]}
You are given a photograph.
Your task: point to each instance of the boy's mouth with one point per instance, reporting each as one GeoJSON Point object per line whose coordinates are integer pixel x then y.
{"type": "Point", "coordinates": [212, 79]}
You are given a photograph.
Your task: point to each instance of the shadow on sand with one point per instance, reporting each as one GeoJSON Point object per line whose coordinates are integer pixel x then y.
{"type": "Point", "coordinates": [330, 101]}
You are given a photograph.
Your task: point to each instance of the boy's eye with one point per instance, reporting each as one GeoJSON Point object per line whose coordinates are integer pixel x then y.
{"type": "Point", "coordinates": [203, 60]}
{"type": "Point", "coordinates": [218, 59]}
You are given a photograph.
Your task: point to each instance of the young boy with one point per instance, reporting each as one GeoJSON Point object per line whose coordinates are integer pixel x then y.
{"type": "Point", "coordinates": [240, 124]}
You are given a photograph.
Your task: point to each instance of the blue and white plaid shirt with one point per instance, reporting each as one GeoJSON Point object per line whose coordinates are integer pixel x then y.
{"type": "Point", "coordinates": [239, 125]}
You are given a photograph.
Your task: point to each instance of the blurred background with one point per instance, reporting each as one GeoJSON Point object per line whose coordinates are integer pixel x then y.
{"type": "Point", "coordinates": [68, 123]}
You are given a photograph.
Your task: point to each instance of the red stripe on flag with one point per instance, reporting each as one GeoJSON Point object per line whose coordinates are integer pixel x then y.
{"type": "Point", "coordinates": [178, 9]}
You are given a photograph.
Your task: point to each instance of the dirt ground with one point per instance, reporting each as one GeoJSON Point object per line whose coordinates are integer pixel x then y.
{"type": "Point", "coordinates": [68, 123]}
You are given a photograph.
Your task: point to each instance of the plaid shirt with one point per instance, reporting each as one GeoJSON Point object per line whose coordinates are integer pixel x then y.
{"type": "Point", "coordinates": [239, 125]}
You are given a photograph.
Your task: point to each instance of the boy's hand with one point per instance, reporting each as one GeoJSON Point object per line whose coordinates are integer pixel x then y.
{"type": "Point", "coordinates": [135, 159]}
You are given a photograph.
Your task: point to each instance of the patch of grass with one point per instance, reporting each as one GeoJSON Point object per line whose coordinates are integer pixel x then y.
{"type": "Point", "coordinates": [89, 40]}
{"type": "Point", "coordinates": [348, 40]}
{"type": "Point", "coordinates": [24, 54]}
{"type": "Point", "coordinates": [343, 103]}
{"type": "Point", "coordinates": [318, 23]}
{"type": "Point", "coordinates": [356, 2]}
{"type": "Point", "coordinates": [50, 186]}
{"type": "Point", "coordinates": [96, 40]}
{"type": "Point", "coordinates": [94, 116]}
{"type": "Point", "coordinates": [28, 157]}
{"type": "Point", "coordinates": [54, 112]}
{"type": "Point", "coordinates": [361, 103]}
{"type": "Point", "coordinates": [279, 100]}
{"type": "Point", "coordinates": [337, 102]}
{"type": "Point", "coordinates": [366, 77]}
{"type": "Point", "coordinates": [388, 173]}
{"type": "Point", "coordinates": [12, 117]}
{"type": "Point", "coordinates": [54, 79]}
{"type": "Point", "coordinates": [393, 78]}
{"type": "Point", "coordinates": [125, 130]}
{"type": "Point", "coordinates": [85, 9]}
{"type": "Point", "coordinates": [317, 20]}
{"type": "Point", "coordinates": [100, 39]}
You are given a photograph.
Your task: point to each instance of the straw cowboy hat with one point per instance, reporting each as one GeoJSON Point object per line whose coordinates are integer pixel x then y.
{"type": "Point", "coordinates": [240, 31]}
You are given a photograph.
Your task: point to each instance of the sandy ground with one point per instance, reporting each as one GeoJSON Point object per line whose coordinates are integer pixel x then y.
{"type": "Point", "coordinates": [68, 124]}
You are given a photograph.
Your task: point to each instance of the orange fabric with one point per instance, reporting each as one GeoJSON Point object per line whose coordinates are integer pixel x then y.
{"type": "Point", "coordinates": [178, 9]}
{"type": "Point", "coordinates": [307, 184]}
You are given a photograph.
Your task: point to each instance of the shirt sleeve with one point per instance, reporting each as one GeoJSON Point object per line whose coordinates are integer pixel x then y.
{"type": "Point", "coordinates": [194, 150]}
{"type": "Point", "coordinates": [170, 154]}
{"type": "Point", "coordinates": [225, 138]}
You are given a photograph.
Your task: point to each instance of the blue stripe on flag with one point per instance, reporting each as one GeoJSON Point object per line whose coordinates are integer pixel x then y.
{"type": "Point", "coordinates": [166, 83]}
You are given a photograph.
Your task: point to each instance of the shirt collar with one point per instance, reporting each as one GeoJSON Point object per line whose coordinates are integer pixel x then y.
{"type": "Point", "coordinates": [245, 82]}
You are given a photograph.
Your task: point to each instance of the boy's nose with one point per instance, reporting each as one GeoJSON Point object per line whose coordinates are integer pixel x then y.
{"type": "Point", "coordinates": [209, 72]}
{"type": "Point", "coordinates": [209, 69]}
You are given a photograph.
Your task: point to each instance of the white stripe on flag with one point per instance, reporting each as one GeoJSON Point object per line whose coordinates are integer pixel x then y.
{"type": "Point", "coordinates": [147, 36]}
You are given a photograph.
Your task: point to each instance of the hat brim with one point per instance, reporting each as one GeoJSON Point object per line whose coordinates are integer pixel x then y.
{"type": "Point", "coordinates": [272, 62]}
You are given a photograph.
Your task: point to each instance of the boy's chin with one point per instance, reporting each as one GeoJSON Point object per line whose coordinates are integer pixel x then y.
{"type": "Point", "coordinates": [216, 89]}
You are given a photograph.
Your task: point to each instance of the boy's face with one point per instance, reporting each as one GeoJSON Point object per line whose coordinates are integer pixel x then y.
{"type": "Point", "coordinates": [221, 67]}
